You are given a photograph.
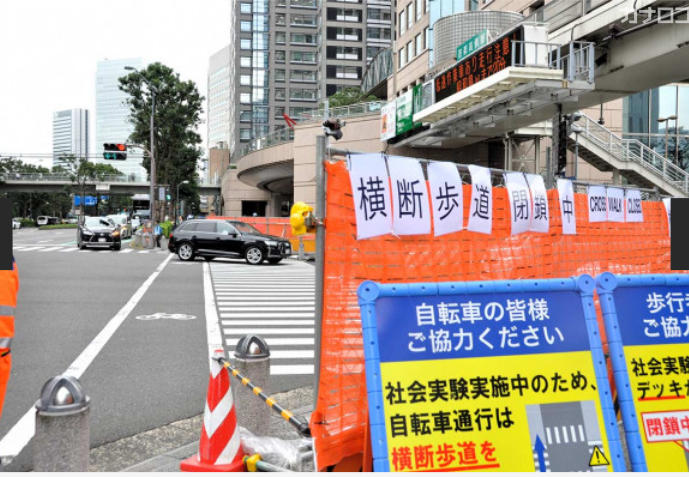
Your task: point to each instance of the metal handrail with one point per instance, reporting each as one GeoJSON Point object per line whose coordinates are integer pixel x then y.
{"type": "Point", "coordinates": [62, 177]}
{"type": "Point", "coordinates": [315, 115]}
{"type": "Point", "coordinates": [635, 151]}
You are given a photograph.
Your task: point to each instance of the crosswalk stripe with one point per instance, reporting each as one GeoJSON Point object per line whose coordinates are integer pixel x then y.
{"type": "Point", "coordinates": [31, 249]}
{"type": "Point", "coordinates": [143, 251]}
{"type": "Point", "coordinates": [280, 341]}
{"type": "Point", "coordinates": [51, 249]}
{"type": "Point", "coordinates": [17, 248]}
{"type": "Point", "coordinates": [266, 315]}
{"type": "Point", "coordinates": [128, 250]}
{"type": "Point", "coordinates": [266, 293]}
{"type": "Point", "coordinates": [72, 249]}
{"type": "Point", "coordinates": [270, 303]}
{"type": "Point", "coordinates": [249, 308]}
{"type": "Point", "coordinates": [292, 369]}
{"type": "Point", "coordinates": [268, 331]}
{"type": "Point", "coordinates": [268, 322]}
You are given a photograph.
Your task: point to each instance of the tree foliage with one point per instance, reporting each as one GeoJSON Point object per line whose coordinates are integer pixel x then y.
{"type": "Point", "coordinates": [177, 118]}
{"type": "Point", "coordinates": [348, 96]}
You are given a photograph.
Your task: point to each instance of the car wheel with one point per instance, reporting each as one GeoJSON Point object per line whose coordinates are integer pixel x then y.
{"type": "Point", "coordinates": [186, 252]}
{"type": "Point", "coordinates": [117, 247]}
{"type": "Point", "coordinates": [81, 245]}
{"type": "Point", "coordinates": [274, 261]}
{"type": "Point", "coordinates": [254, 255]}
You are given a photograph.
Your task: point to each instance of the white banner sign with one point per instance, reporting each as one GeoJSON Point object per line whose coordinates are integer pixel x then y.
{"type": "Point", "coordinates": [668, 205]}
{"type": "Point", "coordinates": [520, 202]}
{"type": "Point", "coordinates": [565, 190]}
{"type": "Point", "coordinates": [412, 214]}
{"type": "Point", "coordinates": [371, 191]}
{"type": "Point", "coordinates": [481, 211]}
{"type": "Point", "coordinates": [635, 211]}
{"type": "Point", "coordinates": [388, 121]}
{"type": "Point", "coordinates": [615, 204]}
{"type": "Point", "coordinates": [447, 197]}
{"type": "Point", "coordinates": [597, 204]}
{"type": "Point", "coordinates": [540, 220]}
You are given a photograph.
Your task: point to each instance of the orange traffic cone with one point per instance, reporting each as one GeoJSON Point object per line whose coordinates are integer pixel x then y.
{"type": "Point", "coordinates": [220, 449]}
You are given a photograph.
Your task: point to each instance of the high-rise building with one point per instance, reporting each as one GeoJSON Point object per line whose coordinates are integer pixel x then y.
{"type": "Point", "coordinates": [291, 54]}
{"type": "Point", "coordinates": [70, 134]}
{"type": "Point", "coordinates": [112, 113]}
{"type": "Point", "coordinates": [352, 34]}
{"type": "Point", "coordinates": [221, 105]}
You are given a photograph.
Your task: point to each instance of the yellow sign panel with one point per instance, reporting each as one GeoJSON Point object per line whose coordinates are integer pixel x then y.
{"type": "Point", "coordinates": [519, 413]}
{"type": "Point", "coordinates": [659, 380]}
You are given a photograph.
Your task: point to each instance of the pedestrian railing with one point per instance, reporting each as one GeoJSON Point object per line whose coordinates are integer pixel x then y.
{"type": "Point", "coordinates": [69, 178]}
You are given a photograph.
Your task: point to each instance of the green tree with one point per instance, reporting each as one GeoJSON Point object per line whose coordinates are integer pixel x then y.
{"type": "Point", "coordinates": [81, 171]}
{"type": "Point", "coordinates": [178, 116]}
{"type": "Point", "coordinates": [348, 96]}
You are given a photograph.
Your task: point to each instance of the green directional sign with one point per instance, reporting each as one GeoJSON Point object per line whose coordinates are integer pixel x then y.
{"type": "Point", "coordinates": [472, 44]}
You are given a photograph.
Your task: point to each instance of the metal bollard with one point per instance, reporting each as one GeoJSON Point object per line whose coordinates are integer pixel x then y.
{"type": "Point", "coordinates": [63, 431]}
{"type": "Point", "coordinates": [252, 359]}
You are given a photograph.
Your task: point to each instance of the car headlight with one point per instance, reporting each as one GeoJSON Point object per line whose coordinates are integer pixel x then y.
{"type": "Point", "coordinates": [86, 232]}
{"type": "Point", "coordinates": [116, 233]}
{"type": "Point", "coordinates": [271, 243]}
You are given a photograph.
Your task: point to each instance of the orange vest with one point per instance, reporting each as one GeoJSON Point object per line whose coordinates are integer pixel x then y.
{"type": "Point", "coordinates": [9, 286]}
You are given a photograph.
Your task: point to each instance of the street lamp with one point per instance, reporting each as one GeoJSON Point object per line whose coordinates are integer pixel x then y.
{"type": "Point", "coordinates": [662, 120]}
{"type": "Point", "coordinates": [153, 91]}
{"type": "Point", "coordinates": [177, 199]}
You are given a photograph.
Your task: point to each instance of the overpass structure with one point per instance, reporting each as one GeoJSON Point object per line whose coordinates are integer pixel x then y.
{"type": "Point", "coordinates": [115, 185]}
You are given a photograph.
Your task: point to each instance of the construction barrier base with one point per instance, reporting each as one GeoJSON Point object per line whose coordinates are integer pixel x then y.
{"type": "Point", "coordinates": [192, 464]}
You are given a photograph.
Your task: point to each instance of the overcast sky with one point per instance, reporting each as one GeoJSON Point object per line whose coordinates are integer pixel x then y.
{"type": "Point", "coordinates": [49, 50]}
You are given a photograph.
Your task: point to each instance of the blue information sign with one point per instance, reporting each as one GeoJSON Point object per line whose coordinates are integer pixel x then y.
{"type": "Point", "coordinates": [504, 375]}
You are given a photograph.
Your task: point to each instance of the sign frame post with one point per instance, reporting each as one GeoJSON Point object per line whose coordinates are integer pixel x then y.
{"type": "Point", "coordinates": [369, 292]}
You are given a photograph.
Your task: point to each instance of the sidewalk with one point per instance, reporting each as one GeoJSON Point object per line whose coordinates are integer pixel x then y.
{"type": "Point", "coordinates": [162, 449]}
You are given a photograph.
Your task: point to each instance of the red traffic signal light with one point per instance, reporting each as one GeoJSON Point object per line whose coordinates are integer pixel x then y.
{"type": "Point", "coordinates": [115, 152]}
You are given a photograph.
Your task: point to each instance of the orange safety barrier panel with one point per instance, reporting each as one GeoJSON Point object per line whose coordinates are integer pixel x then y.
{"type": "Point", "coordinates": [339, 422]}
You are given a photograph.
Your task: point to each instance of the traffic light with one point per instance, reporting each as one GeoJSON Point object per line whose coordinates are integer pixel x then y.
{"type": "Point", "coordinates": [167, 194]}
{"type": "Point", "coordinates": [301, 219]}
{"type": "Point", "coordinates": [333, 127]}
{"type": "Point", "coordinates": [115, 152]}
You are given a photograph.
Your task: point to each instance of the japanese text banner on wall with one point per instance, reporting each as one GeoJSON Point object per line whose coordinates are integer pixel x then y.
{"type": "Point", "coordinates": [497, 376]}
{"type": "Point", "coordinates": [647, 323]}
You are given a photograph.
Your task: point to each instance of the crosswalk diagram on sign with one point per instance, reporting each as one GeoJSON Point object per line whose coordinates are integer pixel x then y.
{"type": "Point", "coordinates": [275, 302]}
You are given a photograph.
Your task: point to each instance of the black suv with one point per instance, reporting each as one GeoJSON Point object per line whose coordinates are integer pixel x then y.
{"type": "Point", "coordinates": [219, 238]}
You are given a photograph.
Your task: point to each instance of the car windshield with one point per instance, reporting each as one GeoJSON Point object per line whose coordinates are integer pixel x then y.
{"type": "Point", "coordinates": [119, 220]}
{"type": "Point", "coordinates": [96, 222]}
{"type": "Point", "coordinates": [245, 228]}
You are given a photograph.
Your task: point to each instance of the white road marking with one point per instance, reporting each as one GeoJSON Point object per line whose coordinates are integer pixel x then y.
{"type": "Point", "coordinates": [127, 250]}
{"type": "Point", "coordinates": [573, 431]}
{"type": "Point", "coordinates": [269, 331]}
{"type": "Point", "coordinates": [44, 241]}
{"type": "Point", "coordinates": [281, 341]}
{"type": "Point", "coordinates": [51, 249]}
{"type": "Point", "coordinates": [31, 249]}
{"type": "Point", "coordinates": [266, 315]}
{"type": "Point", "coordinates": [17, 248]}
{"type": "Point", "coordinates": [272, 303]}
{"type": "Point", "coordinates": [557, 434]}
{"type": "Point", "coordinates": [565, 436]}
{"type": "Point", "coordinates": [292, 369]}
{"type": "Point", "coordinates": [581, 433]}
{"type": "Point", "coordinates": [549, 437]}
{"type": "Point", "coordinates": [268, 323]}
{"type": "Point", "coordinates": [268, 294]}
{"type": "Point", "coordinates": [291, 353]}
{"type": "Point", "coordinates": [22, 432]}
{"type": "Point", "coordinates": [254, 308]}
{"type": "Point", "coordinates": [213, 333]}
{"type": "Point", "coordinates": [72, 249]}
{"type": "Point", "coordinates": [143, 251]}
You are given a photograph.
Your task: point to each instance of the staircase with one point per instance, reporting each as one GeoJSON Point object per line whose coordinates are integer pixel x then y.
{"type": "Point", "coordinates": [635, 161]}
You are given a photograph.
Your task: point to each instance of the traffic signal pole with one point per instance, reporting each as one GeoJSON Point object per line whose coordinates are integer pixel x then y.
{"type": "Point", "coordinates": [152, 155]}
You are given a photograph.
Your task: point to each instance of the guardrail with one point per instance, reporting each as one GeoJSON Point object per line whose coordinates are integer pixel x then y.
{"type": "Point", "coordinates": [635, 151]}
{"type": "Point", "coordinates": [130, 178]}
{"type": "Point", "coordinates": [316, 115]}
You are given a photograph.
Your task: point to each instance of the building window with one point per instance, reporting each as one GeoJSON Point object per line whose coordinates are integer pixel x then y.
{"type": "Point", "coordinates": [246, 26]}
{"type": "Point", "coordinates": [377, 14]}
{"type": "Point", "coordinates": [403, 22]}
{"type": "Point", "coordinates": [245, 80]}
{"type": "Point", "coordinates": [280, 75]}
{"type": "Point", "coordinates": [245, 134]}
{"type": "Point", "coordinates": [280, 18]}
{"type": "Point", "coordinates": [402, 58]}
{"type": "Point", "coordinates": [303, 38]}
{"type": "Point", "coordinates": [245, 98]}
{"type": "Point", "coordinates": [346, 72]}
{"type": "Point", "coordinates": [344, 34]}
{"type": "Point", "coordinates": [427, 38]}
{"type": "Point", "coordinates": [378, 33]}
{"type": "Point", "coordinates": [419, 9]}
{"type": "Point", "coordinates": [245, 116]}
{"type": "Point", "coordinates": [410, 16]}
{"type": "Point", "coordinates": [280, 37]}
{"type": "Point", "coordinates": [246, 62]}
{"type": "Point", "coordinates": [343, 53]}
{"type": "Point", "coordinates": [245, 44]}
{"type": "Point", "coordinates": [303, 57]}
{"type": "Point", "coordinates": [303, 94]}
{"type": "Point", "coordinates": [410, 51]}
{"type": "Point", "coordinates": [280, 94]}
{"type": "Point", "coordinates": [302, 76]}
{"type": "Point", "coordinates": [419, 44]}
{"type": "Point", "coordinates": [246, 8]}
{"type": "Point", "coordinates": [303, 20]}
{"type": "Point", "coordinates": [427, 7]}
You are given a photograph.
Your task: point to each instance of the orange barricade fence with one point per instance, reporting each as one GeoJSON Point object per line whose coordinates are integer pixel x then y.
{"type": "Point", "coordinates": [339, 421]}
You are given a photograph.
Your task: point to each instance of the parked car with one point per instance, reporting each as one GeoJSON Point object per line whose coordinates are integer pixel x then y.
{"type": "Point", "coordinates": [70, 219]}
{"type": "Point", "coordinates": [211, 239]}
{"type": "Point", "coordinates": [136, 223]}
{"type": "Point", "coordinates": [124, 224]}
{"type": "Point", "coordinates": [98, 232]}
{"type": "Point", "coordinates": [16, 223]}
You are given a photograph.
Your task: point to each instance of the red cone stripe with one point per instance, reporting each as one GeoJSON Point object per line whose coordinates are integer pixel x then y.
{"type": "Point", "coordinates": [218, 387]}
{"type": "Point", "coordinates": [210, 448]}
